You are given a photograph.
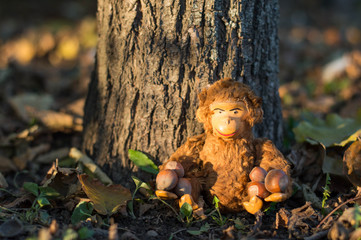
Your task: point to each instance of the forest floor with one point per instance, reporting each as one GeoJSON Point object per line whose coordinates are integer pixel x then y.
{"type": "Point", "coordinates": [47, 56]}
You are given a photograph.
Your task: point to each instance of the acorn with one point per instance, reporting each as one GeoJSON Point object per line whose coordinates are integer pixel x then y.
{"type": "Point", "coordinates": [276, 181]}
{"type": "Point", "coordinates": [258, 174]}
{"type": "Point", "coordinates": [176, 166]}
{"type": "Point", "coordinates": [257, 189]}
{"type": "Point", "coordinates": [183, 187]}
{"type": "Point", "coordinates": [166, 180]}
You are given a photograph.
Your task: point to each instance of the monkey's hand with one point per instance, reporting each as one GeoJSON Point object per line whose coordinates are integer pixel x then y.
{"type": "Point", "coordinates": [278, 184]}
{"type": "Point", "coordinates": [165, 195]}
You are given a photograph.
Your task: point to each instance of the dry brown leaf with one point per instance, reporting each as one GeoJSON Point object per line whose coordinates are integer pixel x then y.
{"type": "Point", "coordinates": [30, 154]}
{"type": "Point", "coordinates": [352, 163]}
{"type": "Point", "coordinates": [53, 155]}
{"type": "Point", "coordinates": [56, 121]}
{"type": "Point", "coordinates": [113, 232]}
{"type": "Point", "coordinates": [297, 221]}
{"type": "Point", "coordinates": [62, 180]}
{"type": "Point", "coordinates": [106, 199]}
{"type": "Point", "coordinates": [228, 233]}
{"type": "Point", "coordinates": [37, 101]}
{"type": "Point", "coordinates": [44, 234]}
{"type": "Point", "coordinates": [3, 182]}
{"type": "Point", "coordinates": [11, 228]}
{"type": "Point", "coordinates": [76, 107]}
{"type": "Point", "coordinates": [27, 197]}
{"type": "Point", "coordinates": [6, 164]}
{"type": "Point", "coordinates": [89, 164]}
{"type": "Point", "coordinates": [144, 207]}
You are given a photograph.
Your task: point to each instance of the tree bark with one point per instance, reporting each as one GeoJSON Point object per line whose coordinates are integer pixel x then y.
{"type": "Point", "coordinates": [154, 56]}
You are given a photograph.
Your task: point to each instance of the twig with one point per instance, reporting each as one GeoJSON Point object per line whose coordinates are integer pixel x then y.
{"type": "Point", "coordinates": [319, 235]}
{"type": "Point", "coordinates": [7, 209]}
{"type": "Point", "coordinates": [174, 233]}
{"type": "Point", "coordinates": [334, 210]}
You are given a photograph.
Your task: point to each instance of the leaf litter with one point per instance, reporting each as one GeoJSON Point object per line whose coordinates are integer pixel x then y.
{"type": "Point", "coordinates": [41, 121]}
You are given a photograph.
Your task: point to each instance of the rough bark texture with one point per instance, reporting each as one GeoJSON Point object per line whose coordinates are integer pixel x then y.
{"type": "Point", "coordinates": [154, 56]}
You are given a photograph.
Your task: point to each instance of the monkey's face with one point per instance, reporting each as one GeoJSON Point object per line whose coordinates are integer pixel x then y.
{"type": "Point", "coordinates": [228, 119]}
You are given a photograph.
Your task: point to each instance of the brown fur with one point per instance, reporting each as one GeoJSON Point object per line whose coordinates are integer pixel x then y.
{"type": "Point", "coordinates": [221, 167]}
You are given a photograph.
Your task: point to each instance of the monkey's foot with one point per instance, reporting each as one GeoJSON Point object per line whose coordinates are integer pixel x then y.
{"type": "Point", "coordinates": [165, 195]}
{"type": "Point", "coordinates": [276, 197]}
{"type": "Point", "coordinates": [187, 198]}
{"type": "Point", "coordinates": [253, 205]}
{"type": "Point", "coordinates": [198, 211]}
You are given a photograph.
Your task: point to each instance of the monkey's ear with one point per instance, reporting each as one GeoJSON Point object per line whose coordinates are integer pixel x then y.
{"type": "Point", "coordinates": [201, 113]}
{"type": "Point", "coordinates": [256, 112]}
{"type": "Point", "coordinates": [257, 115]}
{"type": "Point", "coordinates": [202, 96]}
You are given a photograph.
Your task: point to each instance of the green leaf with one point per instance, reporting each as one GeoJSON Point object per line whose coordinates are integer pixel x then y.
{"type": "Point", "coordinates": [48, 192]}
{"type": "Point", "coordinates": [203, 229]}
{"type": "Point", "coordinates": [333, 131]}
{"type": "Point", "coordinates": [142, 161]}
{"type": "Point", "coordinates": [215, 202]}
{"type": "Point", "coordinates": [44, 217]}
{"type": "Point", "coordinates": [140, 184]}
{"type": "Point", "coordinates": [32, 188]}
{"type": "Point", "coordinates": [239, 224]}
{"type": "Point", "coordinates": [70, 234]}
{"type": "Point", "coordinates": [186, 210]}
{"type": "Point", "coordinates": [85, 233]}
{"type": "Point", "coordinates": [81, 212]}
{"type": "Point", "coordinates": [42, 201]}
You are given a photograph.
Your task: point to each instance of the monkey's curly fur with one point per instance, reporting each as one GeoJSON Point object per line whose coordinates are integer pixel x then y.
{"type": "Point", "coordinates": [221, 167]}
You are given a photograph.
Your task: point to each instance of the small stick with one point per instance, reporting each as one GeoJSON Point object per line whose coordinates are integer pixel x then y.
{"type": "Point", "coordinates": [334, 210]}
{"type": "Point", "coordinates": [319, 235]}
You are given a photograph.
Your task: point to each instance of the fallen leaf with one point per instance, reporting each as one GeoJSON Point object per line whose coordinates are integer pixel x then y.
{"type": "Point", "coordinates": [144, 207]}
{"type": "Point", "coordinates": [113, 231]}
{"type": "Point", "coordinates": [11, 228]}
{"type": "Point", "coordinates": [6, 164]}
{"type": "Point", "coordinates": [30, 153]}
{"type": "Point", "coordinates": [76, 107]}
{"type": "Point", "coordinates": [44, 234]}
{"type": "Point", "coordinates": [89, 164]}
{"type": "Point", "coordinates": [53, 155]}
{"type": "Point", "coordinates": [3, 182]}
{"type": "Point", "coordinates": [56, 121]}
{"type": "Point", "coordinates": [62, 180]}
{"type": "Point", "coordinates": [311, 196]}
{"type": "Point", "coordinates": [345, 225]}
{"type": "Point", "coordinates": [106, 199]}
{"type": "Point", "coordinates": [352, 163]}
{"type": "Point", "coordinates": [307, 160]}
{"type": "Point", "coordinates": [297, 221]}
{"type": "Point", "coordinates": [37, 101]}
{"type": "Point", "coordinates": [29, 198]}
{"type": "Point", "coordinates": [334, 131]}
{"type": "Point", "coordinates": [24, 50]}
{"type": "Point", "coordinates": [68, 48]}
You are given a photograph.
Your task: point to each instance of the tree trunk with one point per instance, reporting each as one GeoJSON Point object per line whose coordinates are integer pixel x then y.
{"type": "Point", "coordinates": [154, 56]}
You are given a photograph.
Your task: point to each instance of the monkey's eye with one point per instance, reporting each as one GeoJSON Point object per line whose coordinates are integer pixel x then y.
{"type": "Point", "coordinates": [235, 111]}
{"type": "Point", "coordinates": [219, 111]}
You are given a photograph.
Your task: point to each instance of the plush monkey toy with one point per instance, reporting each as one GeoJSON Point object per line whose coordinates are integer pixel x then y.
{"type": "Point", "coordinates": [226, 160]}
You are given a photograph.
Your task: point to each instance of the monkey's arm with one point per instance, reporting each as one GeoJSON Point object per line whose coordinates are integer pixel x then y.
{"type": "Point", "coordinates": [269, 157]}
{"type": "Point", "coordinates": [188, 156]}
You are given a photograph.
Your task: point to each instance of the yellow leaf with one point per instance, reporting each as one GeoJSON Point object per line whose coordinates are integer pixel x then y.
{"type": "Point", "coordinates": [106, 199]}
